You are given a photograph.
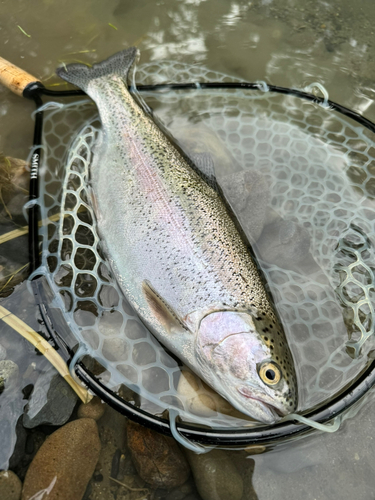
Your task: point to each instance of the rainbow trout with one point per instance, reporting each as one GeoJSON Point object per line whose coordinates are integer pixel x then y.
{"type": "Point", "coordinates": [178, 254]}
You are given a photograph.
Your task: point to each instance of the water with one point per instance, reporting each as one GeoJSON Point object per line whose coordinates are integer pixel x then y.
{"type": "Point", "coordinates": [284, 43]}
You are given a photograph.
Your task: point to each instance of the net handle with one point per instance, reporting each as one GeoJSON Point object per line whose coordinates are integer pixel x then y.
{"type": "Point", "coordinates": [15, 78]}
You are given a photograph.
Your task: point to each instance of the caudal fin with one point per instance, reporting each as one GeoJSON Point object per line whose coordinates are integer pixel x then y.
{"type": "Point", "coordinates": [80, 74]}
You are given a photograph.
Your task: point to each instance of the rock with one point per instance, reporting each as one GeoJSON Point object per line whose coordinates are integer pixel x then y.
{"type": "Point", "coordinates": [285, 243]}
{"type": "Point", "coordinates": [8, 373]}
{"type": "Point", "coordinates": [10, 486]}
{"type": "Point", "coordinates": [52, 401]}
{"type": "Point", "coordinates": [200, 139]}
{"type": "Point", "coordinates": [112, 458]}
{"type": "Point", "coordinates": [216, 478]}
{"type": "Point", "coordinates": [11, 408]}
{"type": "Point", "coordinates": [3, 353]}
{"type": "Point", "coordinates": [181, 492]}
{"type": "Point", "coordinates": [157, 458]}
{"type": "Point", "coordinates": [14, 185]}
{"type": "Point", "coordinates": [65, 462]}
{"type": "Point", "coordinates": [26, 446]}
{"type": "Point", "coordinates": [249, 195]}
{"type": "Point", "coordinates": [245, 467]}
{"type": "Point", "coordinates": [94, 409]}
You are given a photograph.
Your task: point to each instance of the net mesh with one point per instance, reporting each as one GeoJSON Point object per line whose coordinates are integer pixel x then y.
{"type": "Point", "coordinates": [318, 221]}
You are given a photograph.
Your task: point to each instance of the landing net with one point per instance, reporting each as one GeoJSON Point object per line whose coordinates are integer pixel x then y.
{"type": "Point", "coordinates": [318, 219]}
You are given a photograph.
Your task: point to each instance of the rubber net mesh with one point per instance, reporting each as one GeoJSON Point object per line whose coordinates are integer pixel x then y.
{"type": "Point", "coordinates": [314, 238]}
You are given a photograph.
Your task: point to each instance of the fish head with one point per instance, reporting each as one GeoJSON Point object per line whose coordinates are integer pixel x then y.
{"type": "Point", "coordinates": [251, 368]}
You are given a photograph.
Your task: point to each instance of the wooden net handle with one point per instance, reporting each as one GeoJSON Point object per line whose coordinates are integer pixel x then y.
{"type": "Point", "coordinates": [14, 78]}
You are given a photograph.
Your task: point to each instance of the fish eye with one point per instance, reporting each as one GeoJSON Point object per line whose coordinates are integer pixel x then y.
{"type": "Point", "coordinates": [270, 373]}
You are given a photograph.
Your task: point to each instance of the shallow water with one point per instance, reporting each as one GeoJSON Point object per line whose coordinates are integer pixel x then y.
{"type": "Point", "coordinates": [291, 44]}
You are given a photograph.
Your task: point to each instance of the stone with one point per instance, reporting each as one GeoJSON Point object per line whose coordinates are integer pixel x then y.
{"type": "Point", "coordinates": [157, 458]}
{"type": "Point", "coordinates": [94, 409]}
{"type": "Point", "coordinates": [285, 243]}
{"type": "Point", "coordinates": [14, 185]}
{"type": "Point", "coordinates": [112, 458]}
{"type": "Point", "coordinates": [215, 475]}
{"type": "Point", "coordinates": [8, 373]}
{"type": "Point", "coordinates": [65, 462]}
{"type": "Point", "coordinates": [11, 408]}
{"type": "Point", "coordinates": [245, 467]}
{"type": "Point", "coordinates": [3, 353]}
{"type": "Point", "coordinates": [181, 492]}
{"type": "Point", "coordinates": [199, 139]}
{"type": "Point", "coordinates": [52, 401]}
{"type": "Point", "coordinates": [249, 195]}
{"type": "Point", "coordinates": [201, 400]}
{"type": "Point", "coordinates": [25, 449]}
{"type": "Point", "coordinates": [10, 486]}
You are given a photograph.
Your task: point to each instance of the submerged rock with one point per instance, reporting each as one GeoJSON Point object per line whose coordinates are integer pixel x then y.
{"type": "Point", "coordinates": [157, 458]}
{"type": "Point", "coordinates": [27, 445]}
{"type": "Point", "coordinates": [285, 243]}
{"type": "Point", "coordinates": [94, 409]}
{"type": "Point", "coordinates": [3, 353]}
{"type": "Point", "coordinates": [249, 195]}
{"type": "Point", "coordinates": [11, 408]}
{"type": "Point", "coordinates": [245, 467]}
{"type": "Point", "coordinates": [216, 478]}
{"type": "Point", "coordinates": [52, 401]}
{"type": "Point", "coordinates": [113, 455]}
{"type": "Point", "coordinates": [14, 186]}
{"type": "Point", "coordinates": [65, 462]}
{"type": "Point", "coordinates": [8, 373]}
{"type": "Point", "coordinates": [10, 486]}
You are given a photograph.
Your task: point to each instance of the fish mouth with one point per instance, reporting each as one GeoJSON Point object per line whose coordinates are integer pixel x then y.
{"type": "Point", "coordinates": [265, 409]}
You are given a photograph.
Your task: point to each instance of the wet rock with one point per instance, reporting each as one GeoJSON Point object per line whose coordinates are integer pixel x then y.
{"type": "Point", "coordinates": [52, 401]}
{"type": "Point", "coordinates": [249, 195]}
{"type": "Point", "coordinates": [25, 449]}
{"type": "Point", "coordinates": [157, 458]}
{"type": "Point", "coordinates": [8, 373]}
{"type": "Point", "coordinates": [181, 492]}
{"type": "Point", "coordinates": [3, 353]}
{"type": "Point", "coordinates": [285, 243]}
{"type": "Point", "coordinates": [14, 185]}
{"type": "Point", "coordinates": [33, 442]}
{"type": "Point", "coordinates": [10, 486]}
{"type": "Point", "coordinates": [65, 462]}
{"type": "Point", "coordinates": [199, 139]}
{"type": "Point", "coordinates": [114, 459]}
{"type": "Point", "coordinates": [13, 260]}
{"type": "Point", "coordinates": [245, 467]}
{"type": "Point", "coordinates": [94, 409]}
{"type": "Point", "coordinates": [11, 408]}
{"type": "Point", "coordinates": [216, 478]}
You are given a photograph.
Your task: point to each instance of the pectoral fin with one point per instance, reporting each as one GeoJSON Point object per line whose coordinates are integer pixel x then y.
{"type": "Point", "coordinates": [162, 310]}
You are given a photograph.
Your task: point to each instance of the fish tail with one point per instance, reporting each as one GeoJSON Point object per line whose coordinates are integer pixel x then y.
{"type": "Point", "coordinates": [81, 75]}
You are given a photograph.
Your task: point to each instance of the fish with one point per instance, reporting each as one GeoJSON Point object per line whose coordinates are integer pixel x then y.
{"type": "Point", "coordinates": [179, 254]}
